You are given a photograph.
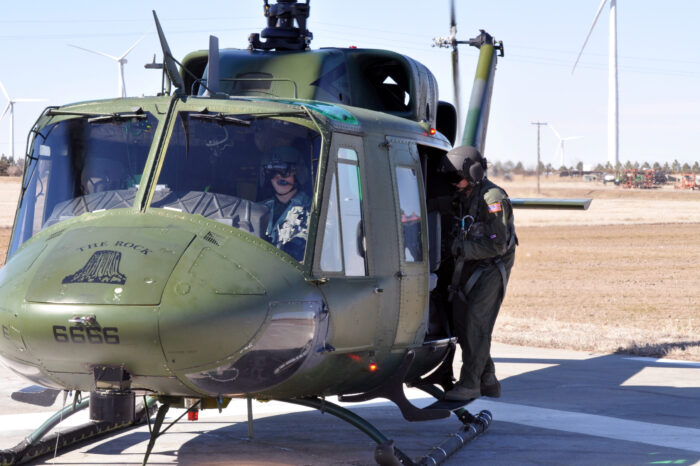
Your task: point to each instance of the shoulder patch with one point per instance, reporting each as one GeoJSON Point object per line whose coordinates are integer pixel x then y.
{"type": "Point", "coordinates": [495, 207]}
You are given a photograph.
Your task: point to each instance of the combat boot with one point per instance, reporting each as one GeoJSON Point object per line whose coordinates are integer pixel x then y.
{"type": "Point", "coordinates": [490, 386]}
{"type": "Point", "coordinates": [461, 393]}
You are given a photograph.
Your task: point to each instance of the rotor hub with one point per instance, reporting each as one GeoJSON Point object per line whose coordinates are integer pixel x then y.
{"type": "Point", "coordinates": [286, 27]}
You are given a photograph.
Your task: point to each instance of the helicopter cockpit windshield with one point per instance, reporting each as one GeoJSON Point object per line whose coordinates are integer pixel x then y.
{"type": "Point", "coordinates": [235, 169]}
{"type": "Point", "coordinates": [85, 163]}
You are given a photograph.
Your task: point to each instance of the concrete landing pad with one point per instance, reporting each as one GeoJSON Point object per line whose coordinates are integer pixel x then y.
{"type": "Point", "coordinates": [558, 407]}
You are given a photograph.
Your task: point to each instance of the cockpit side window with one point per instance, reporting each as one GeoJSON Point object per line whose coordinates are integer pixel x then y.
{"type": "Point", "coordinates": [343, 242]}
{"type": "Point", "coordinates": [409, 200]}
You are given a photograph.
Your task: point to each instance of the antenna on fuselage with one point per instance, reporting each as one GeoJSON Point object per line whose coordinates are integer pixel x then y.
{"type": "Point", "coordinates": [213, 79]}
{"type": "Point", "coordinates": [281, 34]}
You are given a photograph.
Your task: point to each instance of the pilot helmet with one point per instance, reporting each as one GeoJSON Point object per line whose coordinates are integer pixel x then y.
{"type": "Point", "coordinates": [285, 160]}
{"type": "Point", "coordinates": [464, 162]}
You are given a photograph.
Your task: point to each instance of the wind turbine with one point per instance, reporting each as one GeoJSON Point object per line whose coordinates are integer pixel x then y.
{"type": "Point", "coordinates": [121, 61]}
{"type": "Point", "coordinates": [11, 108]}
{"type": "Point", "coordinates": [560, 148]}
{"type": "Point", "coordinates": [613, 119]}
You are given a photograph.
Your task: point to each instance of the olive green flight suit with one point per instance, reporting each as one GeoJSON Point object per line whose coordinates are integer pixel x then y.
{"type": "Point", "coordinates": [479, 283]}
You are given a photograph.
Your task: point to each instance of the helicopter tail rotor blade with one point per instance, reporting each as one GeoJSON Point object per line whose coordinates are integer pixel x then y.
{"type": "Point", "coordinates": [457, 88]}
{"type": "Point", "coordinates": [455, 68]}
{"type": "Point", "coordinates": [600, 8]}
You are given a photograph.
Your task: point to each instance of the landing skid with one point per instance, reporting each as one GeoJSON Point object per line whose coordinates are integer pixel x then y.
{"type": "Point", "coordinates": [450, 405]}
{"type": "Point", "coordinates": [386, 454]}
{"type": "Point", "coordinates": [38, 444]}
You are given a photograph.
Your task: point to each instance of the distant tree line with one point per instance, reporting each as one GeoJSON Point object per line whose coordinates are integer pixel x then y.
{"type": "Point", "coordinates": [501, 168]}
{"type": "Point", "coordinates": [10, 167]}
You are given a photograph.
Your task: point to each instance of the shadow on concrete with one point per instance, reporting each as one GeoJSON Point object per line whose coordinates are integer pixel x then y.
{"type": "Point", "coordinates": [595, 386]}
{"type": "Point", "coordinates": [657, 350]}
{"type": "Point", "coordinates": [590, 386]}
{"type": "Point", "coordinates": [309, 438]}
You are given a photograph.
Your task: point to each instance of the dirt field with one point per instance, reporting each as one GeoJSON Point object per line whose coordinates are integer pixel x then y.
{"type": "Point", "coordinates": [622, 276]}
{"type": "Point", "coordinates": [9, 192]}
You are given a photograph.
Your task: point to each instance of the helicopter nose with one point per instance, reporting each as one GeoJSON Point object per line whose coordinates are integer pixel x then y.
{"type": "Point", "coordinates": [108, 265]}
{"type": "Point", "coordinates": [237, 318]}
{"type": "Point", "coordinates": [181, 308]}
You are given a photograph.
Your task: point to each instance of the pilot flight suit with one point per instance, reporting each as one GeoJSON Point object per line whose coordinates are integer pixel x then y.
{"type": "Point", "coordinates": [484, 253]}
{"type": "Point", "coordinates": [288, 226]}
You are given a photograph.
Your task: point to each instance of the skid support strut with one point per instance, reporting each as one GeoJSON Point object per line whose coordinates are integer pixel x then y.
{"type": "Point", "coordinates": [158, 423]}
{"type": "Point", "coordinates": [39, 444]}
{"type": "Point", "coordinates": [386, 454]}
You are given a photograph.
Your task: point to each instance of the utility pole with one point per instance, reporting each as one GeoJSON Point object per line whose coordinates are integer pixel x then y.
{"type": "Point", "coordinates": [538, 124]}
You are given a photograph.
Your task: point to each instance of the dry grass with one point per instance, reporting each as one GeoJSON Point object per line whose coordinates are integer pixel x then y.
{"type": "Point", "coordinates": [630, 288]}
{"type": "Point", "coordinates": [607, 281]}
{"type": "Point", "coordinates": [622, 276]}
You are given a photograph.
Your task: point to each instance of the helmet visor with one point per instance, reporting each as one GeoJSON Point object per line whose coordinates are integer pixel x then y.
{"type": "Point", "coordinates": [284, 169]}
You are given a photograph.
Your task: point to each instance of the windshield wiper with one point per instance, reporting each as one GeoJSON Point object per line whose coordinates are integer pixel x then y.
{"type": "Point", "coordinates": [102, 117]}
{"type": "Point", "coordinates": [117, 117]}
{"type": "Point", "coordinates": [262, 116]}
{"type": "Point", "coordinates": [221, 118]}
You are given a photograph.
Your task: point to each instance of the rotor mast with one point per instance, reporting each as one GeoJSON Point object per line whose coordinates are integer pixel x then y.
{"type": "Point", "coordinates": [281, 32]}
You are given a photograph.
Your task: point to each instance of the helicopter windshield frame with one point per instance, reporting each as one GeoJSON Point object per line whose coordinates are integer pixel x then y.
{"type": "Point", "coordinates": [213, 166]}
{"type": "Point", "coordinates": [81, 162]}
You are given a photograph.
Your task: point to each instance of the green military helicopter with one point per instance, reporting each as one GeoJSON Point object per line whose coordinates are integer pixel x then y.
{"type": "Point", "coordinates": [142, 267]}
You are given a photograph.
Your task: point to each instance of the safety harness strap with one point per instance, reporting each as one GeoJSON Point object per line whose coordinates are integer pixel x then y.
{"type": "Point", "coordinates": [454, 286]}
{"type": "Point", "coordinates": [464, 292]}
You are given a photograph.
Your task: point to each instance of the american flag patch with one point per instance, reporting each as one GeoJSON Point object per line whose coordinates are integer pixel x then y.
{"type": "Point", "coordinates": [495, 207]}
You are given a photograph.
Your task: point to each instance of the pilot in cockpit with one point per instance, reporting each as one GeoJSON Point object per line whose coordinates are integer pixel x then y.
{"type": "Point", "coordinates": [284, 169]}
{"type": "Point", "coordinates": [101, 174]}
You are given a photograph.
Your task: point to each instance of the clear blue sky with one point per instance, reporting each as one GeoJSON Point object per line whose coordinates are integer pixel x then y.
{"type": "Point", "coordinates": [659, 64]}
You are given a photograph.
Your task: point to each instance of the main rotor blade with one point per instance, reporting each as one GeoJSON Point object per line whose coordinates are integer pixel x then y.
{"type": "Point", "coordinates": [168, 59]}
{"type": "Point", "coordinates": [550, 203]}
{"type": "Point", "coordinates": [94, 51]}
{"type": "Point", "coordinates": [4, 91]}
{"type": "Point", "coordinates": [457, 88]}
{"type": "Point", "coordinates": [600, 8]}
{"type": "Point", "coordinates": [131, 48]}
{"type": "Point", "coordinates": [5, 111]}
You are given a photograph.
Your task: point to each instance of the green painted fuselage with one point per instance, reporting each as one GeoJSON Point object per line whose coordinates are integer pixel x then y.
{"type": "Point", "coordinates": [168, 273]}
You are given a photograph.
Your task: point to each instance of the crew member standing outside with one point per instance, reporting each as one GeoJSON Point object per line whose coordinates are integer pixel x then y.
{"type": "Point", "coordinates": [483, 248]}
{"type": "Point", "coordinates": [287, 228]}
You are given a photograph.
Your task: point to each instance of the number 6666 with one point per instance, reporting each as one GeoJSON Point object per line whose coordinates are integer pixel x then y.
{"type": "Point", "coordinates": [89, 335]}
